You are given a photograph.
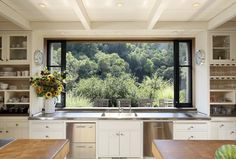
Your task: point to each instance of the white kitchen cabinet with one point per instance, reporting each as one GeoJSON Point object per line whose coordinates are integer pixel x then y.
{"type": "Point", "coordinates": [190, 130]}
{"type": "Point", "coordinates": [223, 130]}
{"type": "Point", "coordinates": [15, 68]}
{"type": "Point", "coordinates": [47, 130]}
{"type": "Point", "coordinates": [1, 52]}
{"type": "Point", "coordinates": [119, 139]}
{"type": "Point", "coordinates": [16, 127]}
{"type": "Point", "coordinates": [14, 48]}
{"type": "Point", "coordinates": [222, 48]}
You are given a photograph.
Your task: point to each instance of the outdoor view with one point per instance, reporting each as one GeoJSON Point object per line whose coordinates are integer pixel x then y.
{"type": "Point", "coordinates": [136, 71]}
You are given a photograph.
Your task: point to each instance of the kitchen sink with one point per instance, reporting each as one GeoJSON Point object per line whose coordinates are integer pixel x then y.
{"type": "Point", "coordinates": [119, 114]}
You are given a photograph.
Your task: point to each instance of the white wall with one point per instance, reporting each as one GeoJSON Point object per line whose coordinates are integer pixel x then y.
{"type": "Point", "coordinates": [202, 75]}
{"type": "Point", "coordinates": [36, 44]}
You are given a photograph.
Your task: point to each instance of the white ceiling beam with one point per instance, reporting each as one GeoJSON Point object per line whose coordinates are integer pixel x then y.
{"type": "Point", "coordinates": [158, 9]}
{"type": "Point", "coordinates": [80, 11]}
{"type": "Point", "coordinates": [10, 14]}
{"type": "Point", "coordinates": [222, 17]}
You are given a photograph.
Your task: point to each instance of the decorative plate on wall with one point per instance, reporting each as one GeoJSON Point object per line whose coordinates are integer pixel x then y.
{"type": "Point", "coordinates": [38, 57]}
{"type": "Point", "coordinates": [200, 57]}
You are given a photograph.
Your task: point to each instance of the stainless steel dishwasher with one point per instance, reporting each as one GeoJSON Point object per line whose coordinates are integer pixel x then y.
{"type": "Point", "coordinates": [155, 130]}
{"type": "Point", "coordinates": [82, 138]}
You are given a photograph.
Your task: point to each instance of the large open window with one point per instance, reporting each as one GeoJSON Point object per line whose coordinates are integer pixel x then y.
{"type": "Point", "coordinates": [137, 73]}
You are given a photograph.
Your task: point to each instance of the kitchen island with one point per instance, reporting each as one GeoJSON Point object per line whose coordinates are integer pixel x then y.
{"type": "Point", "coordinates": [186, 149]}
{"type": "Point", "coordinates": [35, 149]}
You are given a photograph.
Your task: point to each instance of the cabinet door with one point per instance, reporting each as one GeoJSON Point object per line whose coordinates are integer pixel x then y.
{"type": "Point", "coordinates": [2, 130]}
{"type": "Point", "coordinates": [17, 129]}
{"type": "Point", "coordinates": [130, 142]}
{"type": "Point", "coordinates": [227, 134]}
{"type": "Point", "coordinates": [1, 51]}
{"type": "Point", "coordinates": [226, 131]}
{"type": "Point", "coordinates": [108, 143]}
{"type": "Point", "coordinates": [18, 51]}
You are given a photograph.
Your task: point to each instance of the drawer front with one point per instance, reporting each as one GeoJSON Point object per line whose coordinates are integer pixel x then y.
{"type": "Point", "coordinates": [14, 124]}
{"type": "Point", "coordinates": [47, 135]}
{"type": "Point", "coordinates": [47, 126]}
{"type": "Point", "coordinates": [82, 151]}
{"type": "Point", "coordinates": [181, 135]}
{"type": "Point", "coordinates": [226, 125]}
{"type": "Point", "coordinates": [83, 133]}
{"type": "Point", "coordinates": [190, 127]}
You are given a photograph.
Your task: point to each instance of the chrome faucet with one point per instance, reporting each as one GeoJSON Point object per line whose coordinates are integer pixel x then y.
{"type": "Point", "coordinates": [119, 106]}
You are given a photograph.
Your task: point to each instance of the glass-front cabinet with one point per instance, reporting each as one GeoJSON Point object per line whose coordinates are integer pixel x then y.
{"type": "Point", "coordinates": [222, 48]}
{"type": "Point", "coordinates": [14, 48]}
{"type": "Point", "coordinates": [18, 48]}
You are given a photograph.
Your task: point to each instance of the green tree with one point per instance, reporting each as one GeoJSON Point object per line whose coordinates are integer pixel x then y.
{"type": "Point", "coordinates": [87, 68]}
{"type": "Point", "coordinates": [110, 63]}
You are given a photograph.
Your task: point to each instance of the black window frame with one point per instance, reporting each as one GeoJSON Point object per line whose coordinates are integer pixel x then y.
{"type": "Point", "coordinates": [62, 66]}
{"type": "Point", "coordinates": [177, 67]}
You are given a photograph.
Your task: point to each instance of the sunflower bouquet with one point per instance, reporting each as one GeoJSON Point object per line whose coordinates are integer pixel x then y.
{"type": "Point", "coordinates": [49, 85]}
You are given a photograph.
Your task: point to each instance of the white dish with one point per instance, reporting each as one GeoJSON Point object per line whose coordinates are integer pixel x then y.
{"type": "Point", "coordinates": [12, 87]}
{"type": "Point", "coordinates": [7, 69]}
{"type": "Point", "coordinates": [3, 86]}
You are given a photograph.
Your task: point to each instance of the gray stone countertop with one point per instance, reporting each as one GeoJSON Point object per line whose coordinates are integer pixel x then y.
{"type": "Point", "coordinates": [124, 115]}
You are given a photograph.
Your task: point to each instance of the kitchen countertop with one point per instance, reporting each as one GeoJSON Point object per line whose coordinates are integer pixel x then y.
{"type": "Point", "coordinates": [98, 115]}
{"type": "Point", "coordinates": [186, 149]}
{"type": "Point", "coordinates": [35, 148]}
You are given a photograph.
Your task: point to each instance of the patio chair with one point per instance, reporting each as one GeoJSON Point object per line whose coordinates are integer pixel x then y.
{"type": "Point", "coordinates": [101, 102]}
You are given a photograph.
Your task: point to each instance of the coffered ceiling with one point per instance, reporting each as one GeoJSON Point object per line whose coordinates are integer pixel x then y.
{"type": "Point", "coordinates": [146, 14]}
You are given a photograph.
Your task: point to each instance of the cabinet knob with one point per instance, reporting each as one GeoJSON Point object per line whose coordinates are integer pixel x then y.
{"type": "Point", "coordinates": [222, 125]}
{"type": "Point", "coordinates": [118, 134]}
{"type": "Point", "coordinates": [190, 127]}
{"type": "Point", "coordinates": [6, 131]}
{"type": "Point", "coordinates": [7, 60]}
{"type": "Point", "coordinates": [17, 124]}
{"type": "Point", "coordinates": [191, 137]}
{"type": "Point", "coordinates": [232, 132]}
{"type": "Point", "coordinates": [121, 134]}
{"type": "Point", "coordinates": [232, 59]}
{"type": "Point", "coordinates": [1, 59]}
{"type": "Point", "coordinates": [0, 131]}
{"type": "Point", "coordinates": [47, 126]}
{"type": "Point", "coordinates": [46, 136]}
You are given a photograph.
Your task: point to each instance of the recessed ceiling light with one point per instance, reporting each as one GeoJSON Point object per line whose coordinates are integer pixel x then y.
{"type": "Point", "coordinates": [196, 4]}
{"type": "Point", "coordinates": [42, 5]}
{"type": "Point", "coordinates": [119, 4]}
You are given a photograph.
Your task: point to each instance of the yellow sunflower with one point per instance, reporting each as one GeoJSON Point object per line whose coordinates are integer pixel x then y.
{"type": "Point", "coordinates": [50, 76]}
{"type": "Point", "coordinates": [48, 95]}
{"type": "Point", "coordinates": [59, 88]}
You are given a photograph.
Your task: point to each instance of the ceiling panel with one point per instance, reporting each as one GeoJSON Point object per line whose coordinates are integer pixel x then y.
{"type": "Point", "coordinates": [55, 10]}
{"type": "Point", "coordinates": [108, 10]}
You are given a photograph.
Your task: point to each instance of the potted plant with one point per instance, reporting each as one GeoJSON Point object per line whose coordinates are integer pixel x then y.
{"type": "Point", "coordinates": [50, 86]}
